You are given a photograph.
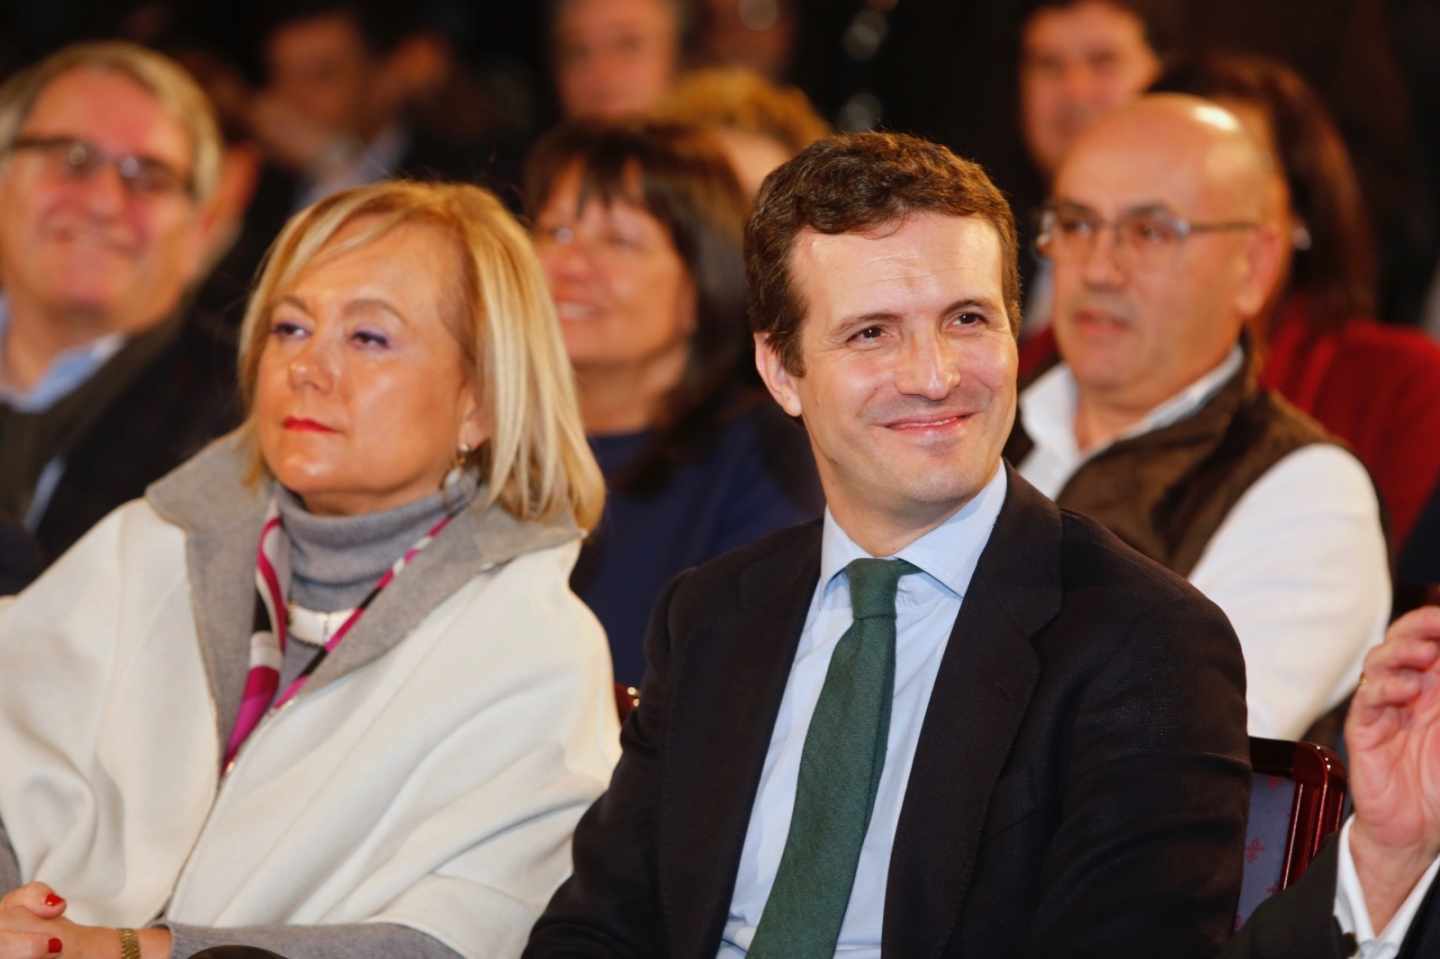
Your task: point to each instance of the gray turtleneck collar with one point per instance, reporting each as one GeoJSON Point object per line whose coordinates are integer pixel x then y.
{"type": "Point", "coordinates": [336, 560]}
{"type": "Point", "coordinates": [220, 514]}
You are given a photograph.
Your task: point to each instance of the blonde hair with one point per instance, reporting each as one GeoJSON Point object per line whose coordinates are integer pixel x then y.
{"type": "Point", "coordinates": [536, 462]}
{"type": "Point", "coordinates": [163, 78]}
{"type": "Point", "coordinates": [734, 98]}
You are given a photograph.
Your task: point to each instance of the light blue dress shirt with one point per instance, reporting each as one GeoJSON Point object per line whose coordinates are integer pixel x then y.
{"type": "Point", "coordinates": [926, 606]}
{"type": "Point", "coordinates": [66, 372]}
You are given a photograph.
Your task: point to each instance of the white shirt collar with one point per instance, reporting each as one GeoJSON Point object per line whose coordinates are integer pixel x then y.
{"type": "Point", "coordinates": [1048, 407]}
{"type": "Point", "coordinates": [947, 554]}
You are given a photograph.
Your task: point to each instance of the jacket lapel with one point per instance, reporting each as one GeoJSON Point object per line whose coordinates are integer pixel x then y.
{"type": "Point", "coordinates": [978, 704]}
{"type": "Point", "coordinates": [726, 695]}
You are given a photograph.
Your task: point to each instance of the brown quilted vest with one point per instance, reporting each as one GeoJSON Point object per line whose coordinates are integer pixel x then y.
{"type": "Point", "coordinates": [1166, 492]}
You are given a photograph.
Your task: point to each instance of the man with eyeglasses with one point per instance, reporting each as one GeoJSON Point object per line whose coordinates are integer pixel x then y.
{"type": "Point", "coordinates": [108, 154]}
{"type": "Point", "coordinates": [1153, 423]}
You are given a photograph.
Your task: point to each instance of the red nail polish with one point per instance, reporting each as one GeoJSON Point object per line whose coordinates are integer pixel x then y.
{"type": "Point", "coordinates": [53, 900]}
{"type": "Point", "coordinates": [57, 946]}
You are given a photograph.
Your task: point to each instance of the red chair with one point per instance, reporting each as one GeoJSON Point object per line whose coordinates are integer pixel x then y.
{"type": "Point", "coordinates": [1297, 798]}
{"type": "Point", "coordinates": [626, 699]}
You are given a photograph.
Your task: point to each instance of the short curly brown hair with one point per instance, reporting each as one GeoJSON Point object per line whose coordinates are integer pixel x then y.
{"type": "Point", "coordinates": [854, 182]}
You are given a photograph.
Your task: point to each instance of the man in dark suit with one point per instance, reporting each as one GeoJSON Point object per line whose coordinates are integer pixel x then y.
{"type": "Point", "coordinates": [951, 719]}
{"type": "Point", "coordinates": [1378, 877]}
{"type": "Point", "coordinates": [111, 156]}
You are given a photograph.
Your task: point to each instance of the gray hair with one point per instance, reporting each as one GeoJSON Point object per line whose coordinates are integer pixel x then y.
{"type": "Point", "coordinates": [164, 79]}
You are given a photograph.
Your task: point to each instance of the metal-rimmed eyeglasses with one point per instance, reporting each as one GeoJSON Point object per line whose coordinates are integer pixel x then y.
{"type": "Point", "coordinates": [77, 159]}
{"type": "Point", "coordinates": [1146, 237]}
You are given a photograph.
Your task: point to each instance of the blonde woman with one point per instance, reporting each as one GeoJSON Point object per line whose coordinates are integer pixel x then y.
{"type": "Point", "coordinates": [325, 689]}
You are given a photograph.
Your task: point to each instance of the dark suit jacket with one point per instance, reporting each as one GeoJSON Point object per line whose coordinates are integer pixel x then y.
{"type": "Point", "coordinates": [1299, 923]}
{"type": "Point", "coordinates": [1079, 788]}
{"type": "Point", "coordinates": [185, 397]}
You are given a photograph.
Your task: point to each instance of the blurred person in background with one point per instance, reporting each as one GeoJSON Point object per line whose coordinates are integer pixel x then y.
{"type": "Point", "coordinates": [612, 58]}
{"type": "Point", "coordinates": [1375, 387]}
{"type": "Point", "coordinates": [1164, 252]}
{"type": "Point", "coordinates": [1079, 60]}
{"type": "Point", "coordinates": [638, 226]}
{"type": "Point", "coordinates": [758, 35]}
{"type": "Point", "coordinates": [340, 74]}
{"type": "Point", "coordinates": [759, 123]}
{"type": "Point", "coordinates": [382, 552]}
{"type": "Point", "coordinates": [341, 78]}
{"type": "Point", "coordinates": [111, 157]}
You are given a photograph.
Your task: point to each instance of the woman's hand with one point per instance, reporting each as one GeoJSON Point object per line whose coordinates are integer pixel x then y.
{"type": "Point", "coordinates": [38, 898]}
{"type": "Point", "coordinates": [33, 926]}
{"type": "Point", "coordinates": [29, 922]}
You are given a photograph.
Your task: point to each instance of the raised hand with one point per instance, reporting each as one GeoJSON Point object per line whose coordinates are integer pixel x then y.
{"type": "Point", "coordinates": [1393, 736]}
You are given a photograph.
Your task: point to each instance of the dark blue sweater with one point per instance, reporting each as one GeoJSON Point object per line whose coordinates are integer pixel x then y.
{"type": "Point", "coordinates": [754, 476]}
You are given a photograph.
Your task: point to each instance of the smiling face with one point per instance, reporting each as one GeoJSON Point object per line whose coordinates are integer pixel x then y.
{"type": "Point", "coordinates": [89, 246]}
{"type": "Point", "coordinates": [908, 392]}
{"type": "Point", "coordinates": [623, 295]}
{"type": "Point", "coordinates": [361, 398]}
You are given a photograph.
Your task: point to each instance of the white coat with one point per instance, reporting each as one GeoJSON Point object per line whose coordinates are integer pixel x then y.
{"type": "Point", "coordinates": [435, 785]}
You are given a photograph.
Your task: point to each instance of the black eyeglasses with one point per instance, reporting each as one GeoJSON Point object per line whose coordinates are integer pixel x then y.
{"type": "Point", "coordinates": [1145, 238]}
{"type": "Point", "coordinates": [77, 160]}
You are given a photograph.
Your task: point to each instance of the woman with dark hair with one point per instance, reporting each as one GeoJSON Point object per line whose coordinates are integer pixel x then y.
{"type": "Point", "coordinates": [638, 226]}
{"type": "Point", "coordinates": [1372, 385]}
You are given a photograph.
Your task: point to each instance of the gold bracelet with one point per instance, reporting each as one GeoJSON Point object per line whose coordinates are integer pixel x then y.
{"type": "Point", "coordinates": [129, 944]}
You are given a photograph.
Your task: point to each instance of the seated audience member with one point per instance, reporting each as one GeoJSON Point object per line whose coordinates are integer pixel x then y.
{"type": "Point", "coordinates": [1154, 425]}
{"type": "Point", "coordinates": [614, 58]}
{"type": "Point", "coordinates": [1078, 60]}
{"type": "Point", "coordinates": [760, 124]}
{"type": "Point", "coordinates": [1377, 387]}
{"type": "Point", "coordinates": [334, 108]}
{"type": "Point", "coordinates": [375, 736]}
{"type": "Point", "coordinates": [334, 113]}
{"type": "Point", "coordinates": [110, 155]}
{"type": "Point", "coordinates": [1029, 740]}
{"type": "Point", "coordinates": [638, 227]}
{"type": "Point", "coordinates": [1378, 877]}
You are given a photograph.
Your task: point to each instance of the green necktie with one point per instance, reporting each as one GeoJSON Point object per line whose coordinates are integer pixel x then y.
{"type": "Point", "coordinates": [839, 774]}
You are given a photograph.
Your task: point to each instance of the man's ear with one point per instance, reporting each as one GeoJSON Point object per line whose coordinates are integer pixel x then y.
{"type": "Point", "coordinates": [778, 380]}
{"type": "Point", "coordinates": [1262, 270]}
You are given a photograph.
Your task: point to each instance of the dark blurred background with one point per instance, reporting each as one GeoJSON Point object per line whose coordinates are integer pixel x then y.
{"type": "Point", "coordinates": [943, 68]}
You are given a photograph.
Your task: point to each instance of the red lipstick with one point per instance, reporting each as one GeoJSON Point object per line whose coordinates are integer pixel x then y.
{"type": "Point", "coordinates": [302, 425]}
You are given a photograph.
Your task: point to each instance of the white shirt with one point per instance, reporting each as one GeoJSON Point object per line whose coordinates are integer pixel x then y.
{"type": "Point", "coordinates": [1354, 917]}
{"type": "Point", "coordinates": [926, 605]}
{"type": "Point", "coordinates": [1299, 565]}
